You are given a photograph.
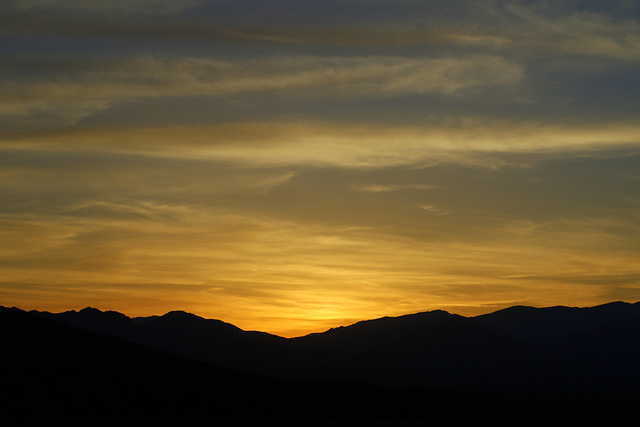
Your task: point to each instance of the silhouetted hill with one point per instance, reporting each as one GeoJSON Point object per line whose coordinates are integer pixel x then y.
{"type": "Point", "coordinates": [508, 371]}
{"type": "Point", "coordinates": [56, 374]}
{"type": "Point", "coordinates": [519, 349]}
{"type": "Point", "coordinates": [543, 324]}
{"type": "Point", "coordinates": [186, 335]}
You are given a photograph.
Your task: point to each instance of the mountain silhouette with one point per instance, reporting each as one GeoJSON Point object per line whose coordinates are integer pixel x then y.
{"type": "Point", "coordinates": [56, 374]}
{"type": "Point", "coordinates": [519, 349]}
{"type": "Point", "coordinates": [186, 335]}
{"type": "Point", "coordinates": [513, 366]}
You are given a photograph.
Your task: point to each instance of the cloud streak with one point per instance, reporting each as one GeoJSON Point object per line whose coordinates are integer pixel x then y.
{"type": "Point", "coordinates": [510, 26]}
{"type": "Point", "coordinates": [78, 87]}
{"type": "Point", "coordinates": [324, 144]}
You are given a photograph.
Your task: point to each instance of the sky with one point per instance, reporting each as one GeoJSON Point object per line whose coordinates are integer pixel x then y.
{"type": "Point", "coordinates": [294, 165]}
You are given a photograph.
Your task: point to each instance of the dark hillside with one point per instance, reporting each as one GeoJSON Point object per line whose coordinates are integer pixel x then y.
{"type": "Point", "coordinates": [522, 360]}
{"type": "Point", "coordinates": [519, 349]}
{"type": "Point", "coordinates": [56, 374]}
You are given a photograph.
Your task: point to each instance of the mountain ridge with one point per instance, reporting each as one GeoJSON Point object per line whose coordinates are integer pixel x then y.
{"type": "Point", "coordinates": [55, 374]}
{"type": "Point", "coordinates": [185, 314]}
{"type": "Point", "coordinates": [514, 349]}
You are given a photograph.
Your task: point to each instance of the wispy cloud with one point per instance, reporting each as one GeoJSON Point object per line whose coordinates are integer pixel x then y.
{"type": "Point", "coordinates": [75, 87]}
{"type": "Point", "coordinates": [434, 209]}
{"type": "Point", "coordinates": [383, 188]}
{"type": "Point", "coordinates": [535, 27]}
{"type": "Point", "coordinates": [102, 6]}
{"type": "Point", "coordinates": [323, 144]}
{"type": "Point", "coordinates": [580, 33]}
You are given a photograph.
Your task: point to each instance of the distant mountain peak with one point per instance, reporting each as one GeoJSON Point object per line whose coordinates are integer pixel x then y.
{"type": "Point", "coordinates": [180, 314]}
{"type": "Point", "coordinates": [440, 312]}
{"type": "Point", "coordinates": [97, 313]}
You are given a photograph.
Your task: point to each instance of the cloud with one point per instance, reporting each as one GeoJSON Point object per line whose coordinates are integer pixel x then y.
{"type": "Point", "coordinates": [434, 209]}
{"type": "Point", "coordinates": [102, 185]}
{"type": "Point", "coordinates": [77, 87]}
{"type": "Point", "coordinates": [383, 188]}
{"type": "Point", "coordinates": [101, 6]}
{"type": "Point", "coordinates": [269, 144]}
{"type": "Point", "coordinates": [514, 27]}
{"type": "Point", "coordinates": [618, 280]}
{"type": "Point", "coordinates": [525, 59]}
{"type": "Point", "coordinates": [579, 33]}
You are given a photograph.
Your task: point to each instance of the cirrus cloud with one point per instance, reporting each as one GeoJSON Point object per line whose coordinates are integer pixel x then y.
{"type": "Point", "coordinates": [75, 87]}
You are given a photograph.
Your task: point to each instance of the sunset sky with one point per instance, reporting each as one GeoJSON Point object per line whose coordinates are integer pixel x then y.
{"type": "Point", "coordinates": [295, 165]}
